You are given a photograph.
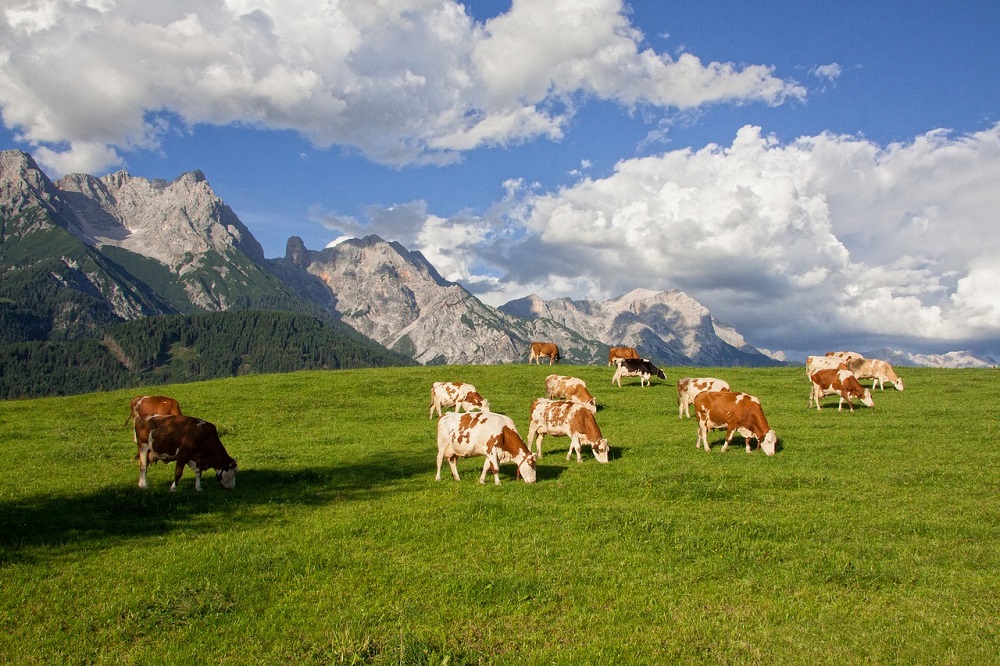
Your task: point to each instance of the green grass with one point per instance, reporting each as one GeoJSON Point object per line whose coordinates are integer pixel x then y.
{"type": "Point", "coordinates": [871, 537]}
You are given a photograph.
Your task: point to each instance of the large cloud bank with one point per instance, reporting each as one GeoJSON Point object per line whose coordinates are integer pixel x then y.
{"type": "Point", "coordinates": [827, 242]}
{"type": "Point", "coordinates": [402, 81]}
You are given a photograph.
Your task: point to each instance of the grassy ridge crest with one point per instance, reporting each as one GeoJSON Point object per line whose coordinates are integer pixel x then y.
{"type": "Point", "coordinates": [869, 537]}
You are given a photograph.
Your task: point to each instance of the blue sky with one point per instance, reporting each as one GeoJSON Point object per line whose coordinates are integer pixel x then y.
{"type": "Point", "coordinates": [819, 175]}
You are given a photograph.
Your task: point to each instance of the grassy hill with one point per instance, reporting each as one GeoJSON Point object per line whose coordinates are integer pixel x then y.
{"type": "Point", "coordinates": [869, 538]}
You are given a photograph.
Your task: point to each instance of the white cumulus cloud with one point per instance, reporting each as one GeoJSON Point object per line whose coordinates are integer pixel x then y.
{"type": "Point", "coordinates": [407, 81]}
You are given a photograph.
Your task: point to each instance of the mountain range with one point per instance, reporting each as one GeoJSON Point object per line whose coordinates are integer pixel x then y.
{"type": "Point", "coordinates": [82, 253]}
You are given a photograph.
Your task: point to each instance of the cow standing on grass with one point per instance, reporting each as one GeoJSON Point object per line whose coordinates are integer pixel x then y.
{"type": "Point", "coordinates": [568, 419]}
{"type": "Point", "coordinates": [641, 368]}
{"type": "Point", "coordinates": [482, 434]}
{"type": "Point", "coordinates": [736, 412]}
{"type": "Point", "coordinates": [151, 405]}
{"type": "Point", "coordinates": [877, 370]}
{"type": "Point", "coordinates": [840, 382]}
{"type": "Point", "coordinates": [540, 349]}
{"type": "Point", "coordinates": [688, 388]}
{"type": "Point", "coordinates": [616, 353]}
{"type": "Point", "coordinates": [458, 395]}
{"type": "Point", "coordinates": [187, 440]}
{"type": "Point", "coordinates": [570, 388]}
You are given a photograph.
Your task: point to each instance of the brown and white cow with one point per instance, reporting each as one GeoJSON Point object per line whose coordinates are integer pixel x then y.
{"type": "Point", "coordinates": [616, 353]}
{"type": "Point", "coordinates": [641, 368]}
{"type": "Point", "coordinates": [846, 356]}
{"type": "Point", "coordinates": [148, 405]}
{"type": "Point", "coordinates": [570, 388]}
{"type": "Point", "coordinates": [566, 419]}
{"type": "Point", "coordinates": [814, 363]}
{"type": "Point", "coordinates": [877, 370]}
{"type": "Point", "coordinates": [483, 434]}
{"type": "Point", "coordinates": [189, 441]}
{"type": "Point", "coordinates": [736, 412]}
{"type": "Point", "coordinates": [689, 387]}
{"type": "Point", "coordinates": [540, 349]}
{"type": "Point", "coordinates": [458, 395]}
{"type": "Point", "coordinates": [841, 382]}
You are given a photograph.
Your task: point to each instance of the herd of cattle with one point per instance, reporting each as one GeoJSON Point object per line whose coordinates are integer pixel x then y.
{"type": "Point", "coordinates": [163, 433]}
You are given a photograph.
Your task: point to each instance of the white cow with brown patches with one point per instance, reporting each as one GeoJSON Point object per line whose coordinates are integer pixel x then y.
{"type": "Point", "coordinates": [877, 370]}
{"type": "Point", "coordinates": [739, 413]}
{"type": "Point", "coordinates": [566, 419]}
{"type": "Point", "coordinates": [689, 387]}
{"type": "Point", "coordinates": [458, 395]}
{"type": "Point", "coordinates": [483, 434]}
{"type": "Point", "coordinates": [570, 388]}
{"type": "Point", "coordinates": [840, 382]}
{"type": "Point", "coordinates": [814, 363]}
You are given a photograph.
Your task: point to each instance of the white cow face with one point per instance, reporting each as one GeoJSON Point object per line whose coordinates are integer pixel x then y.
{"type": "Point", "coordinates": [228, 478]}
{"type": "Point", "coordinates": [898, 384]}
{"type": "Point", "coordinates": [601, 450]}
{"type": "Point", "coordinates": [866, 399]}
{"type": "Point", "coordinates": [526, 468]}
{"type": "Point", "coordinates": [769, 443]}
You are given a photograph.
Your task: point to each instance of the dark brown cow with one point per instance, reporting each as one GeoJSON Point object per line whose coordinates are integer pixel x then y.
{"type": "Point", "coordinates": [570, 388]}
{"type": "Point", "coordinates": [737, 413]}
{"type": "Point", "coordinates": [568, 419]}
{"type": "Point", "coordinates": [840, 382]}
{"type": "Point", "coordinates": [616, 353]}
{"type": "Point", "coordinates": [539, 349]}
{"type": "Point", "coordinates": [187, 440]}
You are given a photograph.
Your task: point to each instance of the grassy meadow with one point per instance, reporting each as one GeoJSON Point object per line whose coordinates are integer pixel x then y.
{"type": "Point", "coordinates": [871, 537]}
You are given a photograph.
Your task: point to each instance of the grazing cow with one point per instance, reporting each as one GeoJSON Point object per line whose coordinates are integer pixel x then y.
{"type": "Point", "coordinates": [483, 434]}
{"type": "Point", "coordinates": [189, 441]}
{"type": "Point", "coordinates": [846, 356]}
{"type": "Point", "coordinates": [569, 388]}
{"type": "Point", "coordinates": [568, 419]}
{"type": "Point", "coordinates": [814, 363]}
{"type": "Point", "coordinates": [840, 382]}
{"type": "Point", "coordinates": [688, 388]}
{"type": "Point", "coordinates": [737, 413]}
{"type": "Point", "coordinates": [641, 368]}
{"type": "Point", "coordinates": [878, 370]}
{"type": "Point", "coordinates": [458, 395]}
{"type": "Point", "coordinates": [616, 353]}
{"type": "Point", "coordinates": [148, 405]}
{"type": "Point", "coordinates": [540, 349]}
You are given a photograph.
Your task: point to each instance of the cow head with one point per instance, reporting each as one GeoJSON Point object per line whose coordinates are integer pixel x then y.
{"type": "Point", "coordinates": [866, 398]}
{"type": "Point", "coordinates": [898, 384]}
{"type": "Point", "coordinates": [769, 443]}
{"type": "Point", "coordinates": [228, 477]}
{"type": "Point", "coordinates": [660, 374]}
{"type": "Point", "coordinates": [526, 468]}
{"type": "Point", "coordinates": [601, 450]}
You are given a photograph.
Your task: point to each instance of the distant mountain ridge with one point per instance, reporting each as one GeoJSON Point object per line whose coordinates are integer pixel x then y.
{"type": "Point", "coordinates": [118, 248]}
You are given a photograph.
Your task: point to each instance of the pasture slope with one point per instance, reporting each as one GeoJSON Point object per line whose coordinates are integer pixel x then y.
{"type": "Point", "coordinates": [868, 538]}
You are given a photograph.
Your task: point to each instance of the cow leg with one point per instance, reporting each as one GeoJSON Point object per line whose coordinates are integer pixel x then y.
{"type": "Point", "coordinates": [702, 435]}
{"type": "Point", "coordinates": [143, 463]}
{"type": "Point", "coordinates": [489, 466]}
{"type": "Point", "coordinates": [453, 463]}
{"type": "Point", "coordinates": [197, 475]}
{"type": "Point", "coordinates": [440, 459]}
{"type": "Point", "coordinates": [729, 437]}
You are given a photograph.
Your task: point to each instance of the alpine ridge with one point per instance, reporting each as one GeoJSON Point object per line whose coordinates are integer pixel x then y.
{"type": "Point", "coordinates": [122, 247]}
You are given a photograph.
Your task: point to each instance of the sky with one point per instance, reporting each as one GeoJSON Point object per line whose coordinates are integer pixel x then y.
{"type": "Point", "coordinates": [820, 175]}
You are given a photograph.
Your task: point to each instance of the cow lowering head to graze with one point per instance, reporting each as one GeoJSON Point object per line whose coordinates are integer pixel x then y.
{"type": "Point", "coordinates": [566, 419]}
{"type": "Point", "coordinates": [540, 349]}
{"type": "Point", "coordinates": [641, 368]}
{"type": "Point", "coordinates": [814, 363]}
{"type": "Point", "coordinates": [736, 412]}
{"type": "Point", "coordinates": [840, 382]}
{"type": "Point", "coordinates": [616, 353]}
{"type": "Point", "coordinates": [569, 388]}
{"type": "Point", "coordinates": [689, 387]}
{"type": "Point", "coordinates": [187, 440]}
{"type": "Point", "coordinates": [877, 370]}
{"type": "Point", "coordinates": [458, 395]}
{"type": "Point", "coordinates": [483, 434]}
